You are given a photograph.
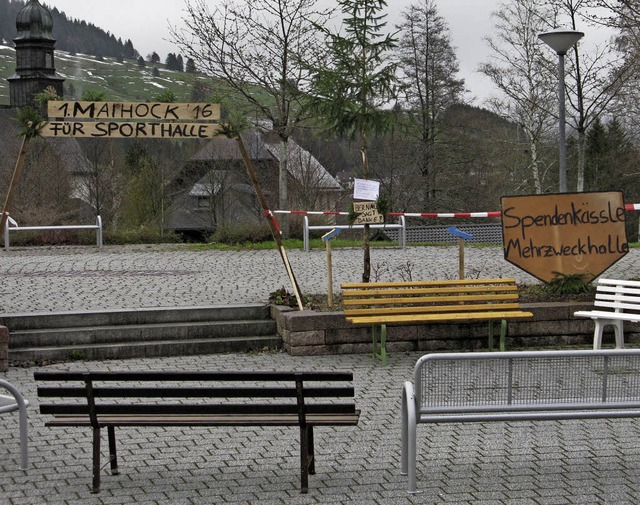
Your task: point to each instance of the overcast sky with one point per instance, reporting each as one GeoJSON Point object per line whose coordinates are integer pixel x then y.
{"type": "Point", "coordinates": [146, 23]}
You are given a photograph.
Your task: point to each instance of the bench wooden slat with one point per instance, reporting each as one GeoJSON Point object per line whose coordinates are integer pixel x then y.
{"type": "Point", "coordinates": [351, 313]}
{"type": "Point", "coordinates": [460, 282]}
{"type": "Point", "coordinates": [426, 291]}
{"type": "Point", "coordinates": [347, 419]}
{"type": "Point", "coordinates": [415, 302]}
{"type": "Point", "coordinates": [436, 300]}
{"type": "Point", "coordinates": [450, 316]}
{"type": "Point", "coordinates": [201, 376]}
{"type": "Point", "coordinates": [195, 392]}
{"type": "Point", "coordinates": [189, 409]}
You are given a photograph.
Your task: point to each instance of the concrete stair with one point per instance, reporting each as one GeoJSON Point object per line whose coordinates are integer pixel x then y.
{"type": "Point", "coordinates": [133, 333]}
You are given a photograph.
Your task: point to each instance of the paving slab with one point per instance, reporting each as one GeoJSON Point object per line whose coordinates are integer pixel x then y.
{"type": "Point", "coordinates": [543, 463]}
{"type": "Point", "coordinates": [586, 462]}
{"type": "Point", "coordinates": [53, 279]}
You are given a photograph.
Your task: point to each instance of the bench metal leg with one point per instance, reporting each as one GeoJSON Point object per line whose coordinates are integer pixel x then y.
{"type": "Point", "coordinates": [312, 454]}
{"type": "Point", "coordinates": [503, 334]}
{"type": "Point", "coordinates": [380, 349]}
{"type": "Point", "coordinates": [96, 461]}
{"type": "Point", "coordinates": [113, 457]}
{"type": "Point", "coordinates": [304, 459]}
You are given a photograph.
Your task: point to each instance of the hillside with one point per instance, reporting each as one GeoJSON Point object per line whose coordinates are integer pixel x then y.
{"type": "Point", "coordinates": [124, 81]}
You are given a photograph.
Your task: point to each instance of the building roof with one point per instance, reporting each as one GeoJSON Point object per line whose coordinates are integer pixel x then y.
{"type": "Point", "coordinates": [34, 21]}
{"type": "Point", "coordinates": [301, 163]}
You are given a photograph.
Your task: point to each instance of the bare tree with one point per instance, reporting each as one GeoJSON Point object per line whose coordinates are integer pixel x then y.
{"type": "Point", "coordinates": [254, 47]}
{"type": "Point", "coordinates": [518, 70]}
{"type": "Point", "coordinates": [428, 65]}
{"type": "Point", "coordinates": [623, 16]}
{"type": "Point", "coordinates": [599, 76]}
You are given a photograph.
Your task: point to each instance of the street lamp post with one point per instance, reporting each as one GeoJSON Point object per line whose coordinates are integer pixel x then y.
{"type": "Point", "coordinates": [561, 41]}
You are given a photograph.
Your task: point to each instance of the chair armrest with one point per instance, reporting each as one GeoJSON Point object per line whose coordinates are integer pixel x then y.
{"type": "Point", "coordinates": [19, 404]}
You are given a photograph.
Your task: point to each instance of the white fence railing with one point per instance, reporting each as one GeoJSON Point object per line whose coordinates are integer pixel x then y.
{"type": "Point", "coordinates": [12, 226]}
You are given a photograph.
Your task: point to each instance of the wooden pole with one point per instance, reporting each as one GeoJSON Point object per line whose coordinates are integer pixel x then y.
{"type": "Point", "coordinates": [329, 276]}
{"type": "Point", "coordinates": [461, 258]}
{"type": "Point", "coordinates": [17, 173]}
{"type": "Point", "coordinates": [273, 224]}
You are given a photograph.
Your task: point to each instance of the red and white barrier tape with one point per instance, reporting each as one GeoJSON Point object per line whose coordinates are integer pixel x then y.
{"type": "Point", "coordinates": [628, 206]}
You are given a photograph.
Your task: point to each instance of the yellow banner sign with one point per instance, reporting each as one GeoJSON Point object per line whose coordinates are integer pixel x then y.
{"type": "Point", "coordinates": [122, 111]}
{"type": "Point", "coordinates": [569, 233]}
{"type": "Point", "coordinates": [123, 129]}
{"type": "Point", "coordinates": [367, 213]}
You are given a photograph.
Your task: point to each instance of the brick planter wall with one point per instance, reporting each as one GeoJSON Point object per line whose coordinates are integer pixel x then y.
{"type": "Point", "coordinates": [4, 349]}
{"type": "Point", "coordinates": [307, 332]}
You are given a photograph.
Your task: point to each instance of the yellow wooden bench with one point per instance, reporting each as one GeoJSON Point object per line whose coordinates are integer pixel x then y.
{"type": "Point", "coordinates": [381, 303]}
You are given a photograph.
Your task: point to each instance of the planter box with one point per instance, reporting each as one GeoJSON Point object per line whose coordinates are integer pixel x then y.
{"type": "Point", "coordinates": [307, 332]}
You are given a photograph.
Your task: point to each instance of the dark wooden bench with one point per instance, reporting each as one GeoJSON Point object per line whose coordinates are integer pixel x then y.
{"type": "Point", "coordinates": [387, 303]}
{"type": "Point", "coordinates": [110, 399]}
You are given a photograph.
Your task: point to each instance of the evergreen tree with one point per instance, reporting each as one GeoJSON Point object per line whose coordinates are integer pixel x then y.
{"type": "Point", "coordinates": [350, 92]}
{"type": "Point", "coordinates": [141, 62]}
{"type": "Point", "coordinates": [191, 66]}
{"type": "Point", "coordinates": [171, 62]}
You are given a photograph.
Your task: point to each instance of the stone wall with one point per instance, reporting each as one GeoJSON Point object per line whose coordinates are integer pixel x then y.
{"type": "Point", "coordinates": [313, 333]}
{"type": "Point", "coordinates": [4, 349]}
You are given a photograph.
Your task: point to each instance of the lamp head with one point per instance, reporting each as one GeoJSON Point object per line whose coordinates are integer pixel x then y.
{"type": "Point", "coordinates": [561, 40]}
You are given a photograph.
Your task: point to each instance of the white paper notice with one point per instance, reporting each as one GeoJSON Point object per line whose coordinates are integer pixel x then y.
{"type": "Point", "coordinates": [365, 190]}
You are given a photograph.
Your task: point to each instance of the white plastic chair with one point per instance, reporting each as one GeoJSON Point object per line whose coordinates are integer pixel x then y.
{"type": "Point", "coordinates": [17, 402]}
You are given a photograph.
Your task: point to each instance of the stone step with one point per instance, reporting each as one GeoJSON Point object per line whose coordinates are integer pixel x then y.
{"type": "Point", "coordinates": [146, 349]}
{"type": "Point", "coordinates": [113, 317]}
{"type": "Point", "coordinates": [125, 333]}
{"type": "Point", "coordinates": [87, 335]}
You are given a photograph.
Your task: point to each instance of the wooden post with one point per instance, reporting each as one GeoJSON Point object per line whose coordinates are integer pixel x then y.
{"type": "Point", "coordinates": [329, 276]}
{"type": "Point", "coordinates": [17, 173]}
{"type": "Point", "coordinates": [327, 237]}
{"type": "Point", "coordinates": [461, 258]}
{"type": "Point", "coordinates": [273, 224]}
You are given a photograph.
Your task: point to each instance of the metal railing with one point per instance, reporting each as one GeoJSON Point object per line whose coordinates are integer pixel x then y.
{"type": "Point", "coordinates": [12, 226]}
{"type": "Point", "coordinates": [400, 226]}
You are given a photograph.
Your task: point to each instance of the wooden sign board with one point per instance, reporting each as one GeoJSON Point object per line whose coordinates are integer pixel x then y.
{"type": "Point", "coordinates": [127, 129]}
{"type": "Point", "coordinates": [367, 213]}
{"type": "Point", "coordinates": [568, 233]}
{"type": "Point", "coordinates": [131, 111]}
{"type": "Point", "coordinates": [153, 120]}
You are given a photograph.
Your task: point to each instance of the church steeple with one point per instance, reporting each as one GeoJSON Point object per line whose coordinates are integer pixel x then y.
{"type": "Point", "coordinates": [35, 70]}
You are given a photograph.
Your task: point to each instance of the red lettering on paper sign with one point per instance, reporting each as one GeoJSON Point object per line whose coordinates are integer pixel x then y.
{"type": "Point", "coordinates": [568, 233]}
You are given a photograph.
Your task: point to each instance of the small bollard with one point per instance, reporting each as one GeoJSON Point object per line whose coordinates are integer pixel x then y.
{"type": "Point", "coordinates": [327, 240]}
{"type": "Point", "coordinates": [461, 238]}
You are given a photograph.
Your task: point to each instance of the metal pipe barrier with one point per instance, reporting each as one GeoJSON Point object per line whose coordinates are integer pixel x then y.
{"type": "Point", "coordinates": [13, 226]}
{"type": "Point", "coordinates": [401, 226]}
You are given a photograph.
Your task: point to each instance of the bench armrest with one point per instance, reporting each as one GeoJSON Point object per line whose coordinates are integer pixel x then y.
{"type": "Point", "coordinates": [408, 428]}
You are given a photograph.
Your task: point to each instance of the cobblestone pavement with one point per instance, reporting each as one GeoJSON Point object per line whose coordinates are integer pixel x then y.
{"type": "Point", "coordinates": [88, 278]}
{"type": "Point", "coordinates": [549, 462]}
{"type": "Point", "coordinates": [554, 462]}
